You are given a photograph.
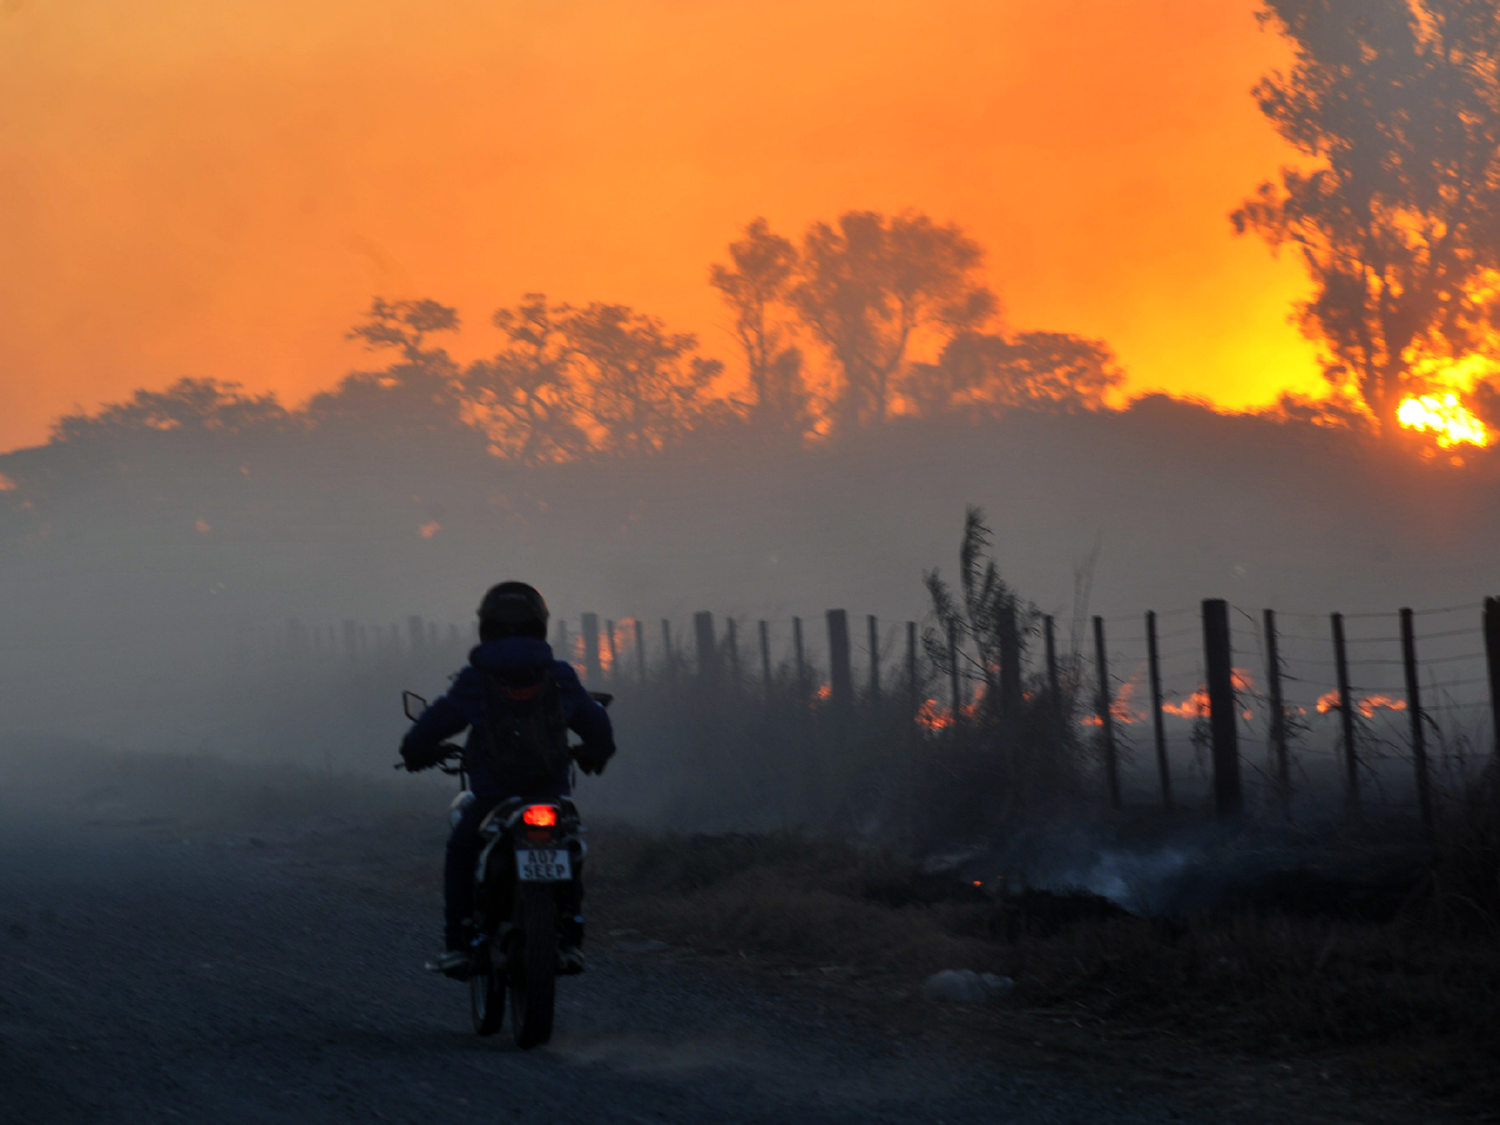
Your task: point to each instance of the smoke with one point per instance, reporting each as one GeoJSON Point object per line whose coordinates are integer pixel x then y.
{"type": "Point", "coordinates": [1314, 867]}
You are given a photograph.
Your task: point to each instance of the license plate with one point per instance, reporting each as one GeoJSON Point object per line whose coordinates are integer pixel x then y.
{"type": "Point", "coordinates": [543, 865]}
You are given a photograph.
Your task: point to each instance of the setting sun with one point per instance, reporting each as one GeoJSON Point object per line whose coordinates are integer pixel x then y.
{"type": "Point", "coordinates": [1445, 417]}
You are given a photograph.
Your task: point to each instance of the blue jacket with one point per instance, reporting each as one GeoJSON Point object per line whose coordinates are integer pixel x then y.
{"type": "Point", "coordinates": [462, 705]}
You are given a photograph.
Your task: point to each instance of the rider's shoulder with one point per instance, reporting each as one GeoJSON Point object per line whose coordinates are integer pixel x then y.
{"type": "Point", "coordinates": [464, 680]}
{"type": "Point", "coordinates": [565, 674]}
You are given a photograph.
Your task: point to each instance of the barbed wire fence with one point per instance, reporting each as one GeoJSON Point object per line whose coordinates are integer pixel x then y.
{"type": "Point", "coordinates": [1369, 713]}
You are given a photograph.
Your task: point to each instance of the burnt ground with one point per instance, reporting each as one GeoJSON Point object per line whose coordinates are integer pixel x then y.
{"type": "Point", "coordinates": [151, 973]}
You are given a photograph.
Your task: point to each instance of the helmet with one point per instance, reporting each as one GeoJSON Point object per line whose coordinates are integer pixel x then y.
{"type": "Point", "coordinates": [512, 609]}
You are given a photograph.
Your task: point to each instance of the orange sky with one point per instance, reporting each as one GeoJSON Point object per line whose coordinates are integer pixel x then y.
{"type": "Point", "coordinates": [217, 189]}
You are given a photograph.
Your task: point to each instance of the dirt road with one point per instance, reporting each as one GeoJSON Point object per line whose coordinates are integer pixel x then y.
{"type": "Point", "coordinates": [148, 978]}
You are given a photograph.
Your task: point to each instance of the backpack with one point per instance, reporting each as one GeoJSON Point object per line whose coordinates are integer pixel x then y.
{"type": "Point", "coordinates": [525, 730]}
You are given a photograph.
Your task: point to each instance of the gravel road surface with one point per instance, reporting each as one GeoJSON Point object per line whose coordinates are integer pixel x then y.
{"type": "Point", "coordinates": [148, 978]}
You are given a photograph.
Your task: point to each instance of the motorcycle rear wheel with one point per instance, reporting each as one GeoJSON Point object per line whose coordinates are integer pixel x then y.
{"type": "Point", "coordinates": [487, 994]}
{"type": "Point", "coordinates": [533, 964]}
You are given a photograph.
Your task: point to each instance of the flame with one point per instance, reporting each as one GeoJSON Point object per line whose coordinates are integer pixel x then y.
{"type": "Point", "coordinates": [609, 647]}
{"type": "Point", "coordinates": [1446, 417]}
{"type": "Point", "coordinates": [6, 484]}
{"type": "Point", "coordinates": [625, 638]}
{"type": "Point", "coordinates": [933, 716]}
{"type": "Point", "coordinates": [1120, 710]}
{"type": "Point", "coordinates": [1370, 703]}
{"type": "Point", "coordinates": [430, 528]}
{"type": "Point", "coordinates": [1367, 706]}
{"type": "Point", "coordinates": [1195, 706]}
{"type": "Point", "coordinates": [825, 692]}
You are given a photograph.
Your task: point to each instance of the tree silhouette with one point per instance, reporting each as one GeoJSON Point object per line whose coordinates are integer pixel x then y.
{"type": "Point", "coordinates": [419, 395]}
{"type": "Point", "coordinates": [760, 279]}
{"type": "Point", "coordinates": [155, 463]}
{"type": "Point", "coordinates": [644, 387]}
{"type": "Point", "coordinates": [1399, 225]}
{"type": "Point", "coordinates": [1052, 371]}
{"type": "Point", "coordinates": [867, 287]}
{"type": "Point", "coordinates": [524, 397]}
{"type": "Point", "coordinates": [404, 325]}
{"type": "Point", "coordinates": [188, 405]}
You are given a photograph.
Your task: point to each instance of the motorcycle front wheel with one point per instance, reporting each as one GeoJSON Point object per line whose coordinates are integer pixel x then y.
{"type": "Point", "coordinates": [533, 964]}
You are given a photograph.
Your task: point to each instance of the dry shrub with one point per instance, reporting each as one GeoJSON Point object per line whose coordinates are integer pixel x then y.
{"type": "Point", "coordinates": [1465, 873]}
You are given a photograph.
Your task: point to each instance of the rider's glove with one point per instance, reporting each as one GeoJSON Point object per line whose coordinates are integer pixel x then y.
{"type": "Point", "coordinates": [595, 763]}
{"type": "Point", "coordinates": [416, 760]}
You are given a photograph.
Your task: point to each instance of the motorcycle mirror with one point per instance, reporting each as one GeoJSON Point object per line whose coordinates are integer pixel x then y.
{"type": "Point", "coordinates": [413, 704]}
{"type": "Point", "coordinates": [603, 698]}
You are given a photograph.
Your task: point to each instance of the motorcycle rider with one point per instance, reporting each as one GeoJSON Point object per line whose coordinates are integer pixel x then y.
{"type": "Point", "coordinates": [512, 655]}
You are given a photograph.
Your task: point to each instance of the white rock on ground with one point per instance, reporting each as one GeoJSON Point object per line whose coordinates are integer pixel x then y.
{"type": "Point", "coordinates": [964, 986]}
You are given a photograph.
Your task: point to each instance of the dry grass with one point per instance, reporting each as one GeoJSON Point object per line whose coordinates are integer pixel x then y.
{"type": "Point", "coordinates": [783, 896]}
{"type": "Point", "coordinates": [1413, 1001]}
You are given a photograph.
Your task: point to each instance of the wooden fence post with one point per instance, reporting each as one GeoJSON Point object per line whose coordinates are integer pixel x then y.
{"type": "Point", "coordinates": [666, 649]}
{"type": "Point", "coordinates": [1346, 713]}
{"type": "Point", "coordinates": [1163, 766]}
{"type": "Point", "coordinates": [765, 655]}
{"type": "Point", "coordinates": [840, 674]}
{"type": "Point", "coordinates": [732, 643]}
{"type": "Point", "coordinates": [590, 623]}
{"type": "Point", "coordinates": [1223, 718]}
{"type": "Point", "coordinates": [1414, 708]}
{"type": "Point", "coordinates": [1054, 686]}
{"type": "Point", "coordinates": [609, 647]}
{"type": "Point", "coordinates": [1105, 710]}
{"type": "Point", "coordinates": [640, 650]}
{"type": "Point", "coordinates": [801, 656]}
{"type": "Point", "coordinates": [703, 635]}
{"type": "Point", "coordinates": [1278, 713]}
{"type": "Point", "coordinates": [874, 632]}
{"type": "Point", "coordinates": [1492, 663]}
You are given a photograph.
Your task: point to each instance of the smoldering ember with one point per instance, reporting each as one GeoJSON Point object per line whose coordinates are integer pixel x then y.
{"type": "Point", "coordinates": [815, 562]}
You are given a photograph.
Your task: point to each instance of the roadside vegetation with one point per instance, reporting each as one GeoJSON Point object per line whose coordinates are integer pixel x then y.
{"type": "Point", "coordinates": [1401, 992]}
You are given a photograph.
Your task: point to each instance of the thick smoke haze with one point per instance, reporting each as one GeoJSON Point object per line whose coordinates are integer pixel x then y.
{"type": "Point", "coordinates": [797, 425]}
{"type": "Point", "coordinates": [153, 589]}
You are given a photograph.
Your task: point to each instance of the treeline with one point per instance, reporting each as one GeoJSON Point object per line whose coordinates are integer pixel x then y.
{"type": "Point", "coordinates": [828, 331]}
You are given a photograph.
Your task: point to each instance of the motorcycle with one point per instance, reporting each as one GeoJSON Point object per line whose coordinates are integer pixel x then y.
{"type": "Point", "coordinates": [529, 852]}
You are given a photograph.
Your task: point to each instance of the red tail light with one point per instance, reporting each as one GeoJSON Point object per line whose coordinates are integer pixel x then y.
{"type": "Point", "coordinates": [540, 816]}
